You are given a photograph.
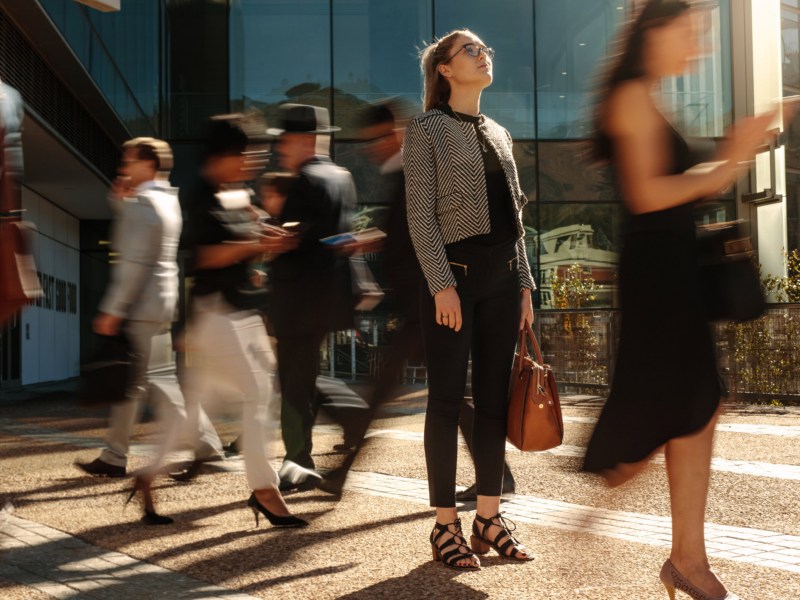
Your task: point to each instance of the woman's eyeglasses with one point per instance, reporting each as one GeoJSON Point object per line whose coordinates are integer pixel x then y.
{"type": "Point", "coordinates": [474, 51]}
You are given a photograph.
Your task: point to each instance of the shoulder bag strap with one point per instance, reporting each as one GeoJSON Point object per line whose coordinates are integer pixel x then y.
{"type": "Point", "coordinates": [8, 208]}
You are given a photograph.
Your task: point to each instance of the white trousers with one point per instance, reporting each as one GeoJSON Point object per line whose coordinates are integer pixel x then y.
{"type": "Point", "coordinates": [230, 348]}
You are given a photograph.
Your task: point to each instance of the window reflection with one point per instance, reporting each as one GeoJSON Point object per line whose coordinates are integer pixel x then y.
{"type": "Point", "coordinates": [566, 175]}
{"type": "Point", "coordinates": [280, 52]}
{"type": "Point", "coordinates": [580, 240]}
{"type": "Point", "coordinates": [572, 41]}
{"type": "Point", "coordinates": [123, 53]}
{"type": "Point", "coordinates": [374, 54]}
{"type": "Point", "coordinates": [506, 26]}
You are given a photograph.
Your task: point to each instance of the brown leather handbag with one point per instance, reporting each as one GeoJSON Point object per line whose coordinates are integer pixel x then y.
{"type": "Point", "coordinates": [19, 283]}
{"type": "Point", "coordinates": [534, 411]}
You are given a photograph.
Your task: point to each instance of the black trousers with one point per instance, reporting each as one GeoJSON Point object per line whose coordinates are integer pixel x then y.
{"type": "Point", "coordinates": [488, 287]}
{"type": "Point", "coordinates": [298, 367]}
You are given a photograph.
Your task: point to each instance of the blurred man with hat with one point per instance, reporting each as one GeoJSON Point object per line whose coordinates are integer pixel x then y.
{"type": "Point", "coordinates": [311, 287]}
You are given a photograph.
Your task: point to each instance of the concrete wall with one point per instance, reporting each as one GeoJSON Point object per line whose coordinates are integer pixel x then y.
{"type": "Point", "coordinates": [51, 328]}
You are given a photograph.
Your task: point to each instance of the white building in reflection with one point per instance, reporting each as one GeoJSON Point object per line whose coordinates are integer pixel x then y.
{"type": "Point", "coordinates": [575, 244]}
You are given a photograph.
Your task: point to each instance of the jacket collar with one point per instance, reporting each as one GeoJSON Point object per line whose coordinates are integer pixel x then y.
{"type": "Point", "coordinates": [448, 110]}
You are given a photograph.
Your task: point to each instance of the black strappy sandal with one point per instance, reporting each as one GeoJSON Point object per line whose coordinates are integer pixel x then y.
{"type": "Point", "coordinates": [451, 557]}
{"type": "Point", "coordinates": [503, 541]}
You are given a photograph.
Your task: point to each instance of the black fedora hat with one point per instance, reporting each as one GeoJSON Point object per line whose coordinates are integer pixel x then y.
{"type": "Point", "coordinates": [302, 118]}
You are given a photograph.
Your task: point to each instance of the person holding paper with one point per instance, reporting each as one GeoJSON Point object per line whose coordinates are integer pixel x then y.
{"type": "Point", "coordinates": [311, 285]}
{"type": "Point", "coordinates": [655, 402]}
{"type": "Point", "coordinates": [226, 334]}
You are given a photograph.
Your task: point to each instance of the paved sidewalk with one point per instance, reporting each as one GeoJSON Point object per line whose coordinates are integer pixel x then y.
{"type": "Point", "coordinates": [754, 546]}
{"type": "Point", "coordinates": [374, 542]}
{"type": "Point", "coordinates": [64, 566]}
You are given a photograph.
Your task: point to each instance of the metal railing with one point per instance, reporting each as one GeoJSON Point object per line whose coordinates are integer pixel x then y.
{"type": "Point", "coordinates": [758, 361]}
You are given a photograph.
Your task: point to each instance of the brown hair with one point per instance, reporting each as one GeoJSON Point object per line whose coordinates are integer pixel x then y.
{"type": "Point", "coordinates": [436, 89]}
{"type": "Point", "coordinates": [628, 63]}
{"type": "Point", "coordinates": [151, 149]}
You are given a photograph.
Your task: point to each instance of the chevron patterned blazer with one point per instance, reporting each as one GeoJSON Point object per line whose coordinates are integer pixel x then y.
{"type": "Point", "coordinates": [446, 190]}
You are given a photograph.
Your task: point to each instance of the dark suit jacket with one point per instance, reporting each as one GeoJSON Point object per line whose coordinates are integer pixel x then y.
{"type": "Point", "coordinates": [310, 286]}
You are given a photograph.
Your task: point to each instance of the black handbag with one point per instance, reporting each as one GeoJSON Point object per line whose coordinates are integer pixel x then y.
{"type": "Point", "coordinates": [106, 378]}
{"type": "Point", "coordinates": [729, 280]}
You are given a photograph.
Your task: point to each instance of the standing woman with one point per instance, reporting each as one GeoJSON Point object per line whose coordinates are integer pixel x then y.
{"type": "Point", "coordinates": [666, 390]}
{"type": "Point", "coordinates": [464, 215]}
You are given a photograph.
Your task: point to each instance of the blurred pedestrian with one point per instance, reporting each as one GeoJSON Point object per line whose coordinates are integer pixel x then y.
{"type": "Point", "coordinates": [464, 214]}
{"type": "Point", "coordinates": [311, 290]}
{"type": "Point", "coordinates": [226, 337]}
{"type": "Point", "coordinates": [381, 132]}
{"type": "Point", "coordinates": [653, 402]}
{"type": "Point", "coordinates": [19, 283]}
{"type": "Point", "coordinates": [140, 302]}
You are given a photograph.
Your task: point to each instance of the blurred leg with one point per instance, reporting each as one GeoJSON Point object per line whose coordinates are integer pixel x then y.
{"type": "Point", "coordinates": [298, 367]}
{"type": "Point", "coordinates": [689, 471]}
{"type": "Point", "coordinates": [125, 415]}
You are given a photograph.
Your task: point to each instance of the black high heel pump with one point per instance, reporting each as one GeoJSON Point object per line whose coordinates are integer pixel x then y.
{"type": "Point", "coordinates": [151, 517]}
{"type": "Point", "coordinates": [275, 520]}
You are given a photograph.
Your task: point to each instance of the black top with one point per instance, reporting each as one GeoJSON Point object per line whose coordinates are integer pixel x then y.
{"type": "Point", "coordinates": [400, 260]}
{"type": "Point", "coordinates": [209, 224]}
{"type": "Point", "coordinates": [310, 287]}
{"type": "Point", "coordinates": [501, 205]}
{"type": "Point", "coordinates": [663, 321]}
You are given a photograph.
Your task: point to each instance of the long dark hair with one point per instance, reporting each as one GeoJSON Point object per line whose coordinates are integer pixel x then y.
{"type": "Point", "coordinates": [436, 89]}
{"type": "Point", "coordinates": [628, 63]}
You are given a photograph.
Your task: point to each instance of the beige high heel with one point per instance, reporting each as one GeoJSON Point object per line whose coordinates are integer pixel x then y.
{"type": "Point", "coordinates": [672, 580]}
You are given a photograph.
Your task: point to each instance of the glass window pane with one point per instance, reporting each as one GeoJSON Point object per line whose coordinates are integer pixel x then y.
{"type": "Point", "coordinates": [587, 235]}
{"type": "Point", "coordinates": [701, 102]}
{"type": "Point", "coordinates": [506, 26]}
{"type": "Point", "coordinates": [375, 54]}
{"type": "Point", "coordinates": [790, 34]}
{"type": "Point", "coordinates": [279, 52]}
{"type": "Point", "coordinates": [572, 41]}
{"type": "Point", "coordinates": [127, 74]}
{"type": "Point", "coordinates": [793, 209]}
{"type": "Point", "coordinates": [565, 175]}
{"type": "Point", "coordinates": [366, 176]}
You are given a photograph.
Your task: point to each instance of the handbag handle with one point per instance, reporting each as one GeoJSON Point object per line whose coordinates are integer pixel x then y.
{"type": "Point", "coordinates": [526, 336]}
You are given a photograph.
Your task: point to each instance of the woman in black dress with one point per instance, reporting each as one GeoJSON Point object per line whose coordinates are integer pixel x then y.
{"type": "Point", "coordinates": [665, 392]}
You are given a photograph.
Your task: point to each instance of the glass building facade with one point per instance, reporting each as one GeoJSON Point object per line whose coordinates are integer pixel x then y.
{"type": "Point", "coordinates": [342, 54]}
{"type": "Point", "coordinates": [790, 38]}
{"type": "Point", "coordinates": [126, 55]}
{"type": "Point", "coordinates": [164, 66]}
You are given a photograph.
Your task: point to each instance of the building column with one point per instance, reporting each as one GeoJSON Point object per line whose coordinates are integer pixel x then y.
{"type": "Point", "coordinates": [757, 83]}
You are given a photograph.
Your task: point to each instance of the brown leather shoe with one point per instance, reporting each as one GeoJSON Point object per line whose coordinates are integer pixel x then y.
{"type": "Point", "coordinates": [100, 468]}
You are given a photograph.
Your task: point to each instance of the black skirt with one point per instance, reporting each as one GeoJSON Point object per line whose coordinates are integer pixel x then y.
{"type": "Point", "coordinates": [666, 384]}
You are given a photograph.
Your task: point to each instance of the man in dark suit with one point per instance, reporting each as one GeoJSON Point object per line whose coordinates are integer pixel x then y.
{"type": "Point", "coordinates": [311, 289]}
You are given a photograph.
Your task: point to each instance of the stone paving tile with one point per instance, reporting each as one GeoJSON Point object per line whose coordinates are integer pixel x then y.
{"type": "Point", "coordinates": [740, 467]}
{"type": "Point", "coordinates": [754, 546]}
{"type": "Point", "coordinates": [66, 567]}
{"type": "Point", "coordinates": [790, 431]}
